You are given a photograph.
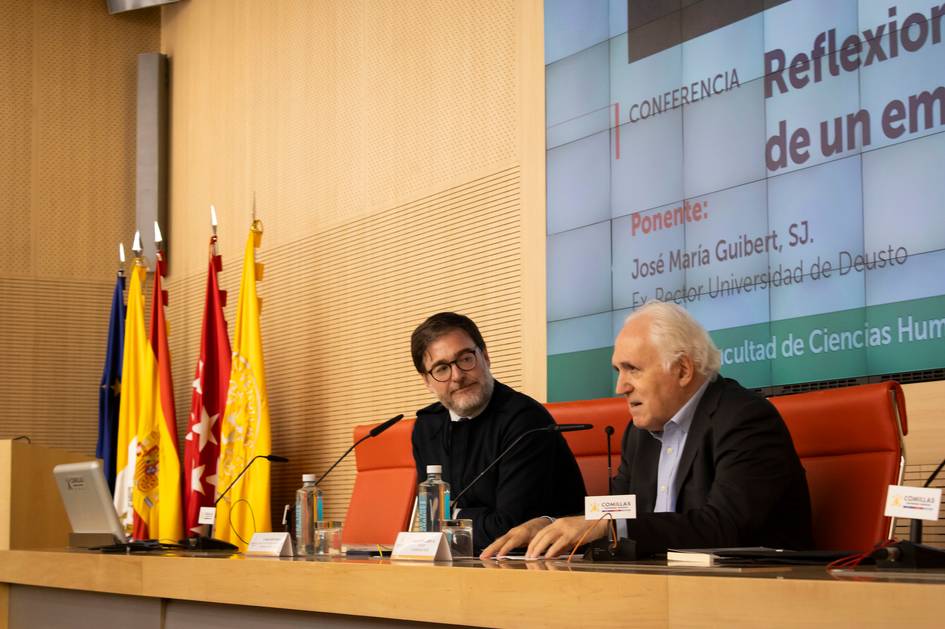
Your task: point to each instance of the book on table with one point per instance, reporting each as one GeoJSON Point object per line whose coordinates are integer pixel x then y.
{"type": "Point", "coordinates": [708, 556]}
{"type": "Point", "coordinates": [751, 554]}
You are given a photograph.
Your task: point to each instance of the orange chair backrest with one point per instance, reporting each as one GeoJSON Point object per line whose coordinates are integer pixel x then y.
{"type": "Point", "coordinates": [384, 487]}
{"type": "Point", "coordinates": [849, 441]}
{"type": "Point", "coordinates": [590, 446]}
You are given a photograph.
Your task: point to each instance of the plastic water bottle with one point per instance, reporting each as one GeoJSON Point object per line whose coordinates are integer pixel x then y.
{"type": "Point", "coordinates": [433, 500]}
{"type": "Point", "coordinates": [308, 509]}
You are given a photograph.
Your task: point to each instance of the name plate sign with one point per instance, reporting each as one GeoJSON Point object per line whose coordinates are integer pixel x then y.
{"type": "Point", "coordinates": [207, 515]}
{"type": "Point", "coordinates": [422, 547]}
{"type": "Point", "coordinates": [618, 507]}
{"type": "Point", "coordinates": [920, 503]}
{"type": "Point", "coordinates": [270, 545]}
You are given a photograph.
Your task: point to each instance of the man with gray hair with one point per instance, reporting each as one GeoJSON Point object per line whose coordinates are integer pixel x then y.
{"type": "Point", "coordinates": [711, 463]}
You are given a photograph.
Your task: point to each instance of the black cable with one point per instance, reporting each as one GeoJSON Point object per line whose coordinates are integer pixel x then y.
{"type": "Point", "coordinates": [251, 515]}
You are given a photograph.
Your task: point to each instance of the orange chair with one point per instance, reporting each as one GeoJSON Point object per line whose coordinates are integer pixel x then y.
{"type": "Point", "coordinates": [590, 446]}
{"type": "Point", "coordinates": [384, 487]}
{"type": "Point", "coordinates": [850, 443]}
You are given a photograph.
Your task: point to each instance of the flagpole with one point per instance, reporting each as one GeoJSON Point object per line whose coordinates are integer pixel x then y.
{"type": "Point", "coordinates": [213, 229]}
{"type": "Point", "coordinates": [158, 249]}
{"type": "Point", "coordinates": [137, 250]}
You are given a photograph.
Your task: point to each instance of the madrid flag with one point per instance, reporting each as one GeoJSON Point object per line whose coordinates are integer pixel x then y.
{"type": "Point", "coordinates": [157, 491]}
{"type": "Point", "coordinates": [202, 447]}
{"type": "Point", "coordinates": [245, 431]}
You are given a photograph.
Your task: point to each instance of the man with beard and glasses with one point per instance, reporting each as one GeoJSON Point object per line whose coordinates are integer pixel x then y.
{"type": "Point", "coordinates": [475, 420]}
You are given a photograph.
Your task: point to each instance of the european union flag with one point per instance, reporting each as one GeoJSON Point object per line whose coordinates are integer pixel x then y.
{"type": "Point", "coordinates": [109, 394]}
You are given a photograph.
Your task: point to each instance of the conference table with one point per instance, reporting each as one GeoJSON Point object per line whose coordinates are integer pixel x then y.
{"type": "Point", "coordinates": [75, 588]}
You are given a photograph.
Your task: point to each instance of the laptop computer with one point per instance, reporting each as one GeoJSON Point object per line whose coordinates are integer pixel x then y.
{"type": "Point", "coordinates": [88, 504]}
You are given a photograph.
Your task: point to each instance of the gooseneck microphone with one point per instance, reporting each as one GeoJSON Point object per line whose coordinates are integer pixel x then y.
{"type": "Point", "coordinates": [382, 427]}
{"type": "Point", "coordinates": [203, 542]}
{"type": "Point", "coordinates": [275, 458]}
{"type": "Point", "coordinates": [549, 428]}
{"type": "Point", "coordinates": [569, 427]}
{"type": "Point", "coordinates": [373, 433]}
{"type": "Point", "coordinates": [609, 430]}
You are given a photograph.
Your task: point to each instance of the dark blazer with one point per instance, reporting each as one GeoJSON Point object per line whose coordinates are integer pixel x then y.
{"type": "Point", "coordinates": [740, 480]}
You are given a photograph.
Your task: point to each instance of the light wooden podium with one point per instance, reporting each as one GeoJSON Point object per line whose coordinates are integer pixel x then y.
{"type": "Point", "coordinates": [31, 512]}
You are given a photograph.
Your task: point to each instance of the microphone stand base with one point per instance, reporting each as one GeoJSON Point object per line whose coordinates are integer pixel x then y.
{"type": "Point", "coordinates": [909, 556]}
{"type": "Point", "coordinates": [623, 550]}
{"type": "Point", "coordinates": [207, 543]}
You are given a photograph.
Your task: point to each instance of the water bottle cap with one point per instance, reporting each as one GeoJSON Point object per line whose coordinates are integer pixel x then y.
{"type": "Point", "coordinates": [308, 478]}
{"type": "Point", "coordinates": [434, 469]}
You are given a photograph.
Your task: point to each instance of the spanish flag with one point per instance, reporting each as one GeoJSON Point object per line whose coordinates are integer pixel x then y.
{"type": "Point", "coordinates": [157, 488]}
{"type": "Point", "coordinates": [135, 371]}
{"type": "Point", "coordinates": [245, 431]}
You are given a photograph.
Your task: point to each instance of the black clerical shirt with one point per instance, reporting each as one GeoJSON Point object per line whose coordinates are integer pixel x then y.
{"type": "Point", "coordinates": [538, 477]}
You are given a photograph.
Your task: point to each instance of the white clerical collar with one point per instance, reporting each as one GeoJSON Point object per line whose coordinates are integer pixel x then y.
{"type": "Point", "coordinates": [463, 418]}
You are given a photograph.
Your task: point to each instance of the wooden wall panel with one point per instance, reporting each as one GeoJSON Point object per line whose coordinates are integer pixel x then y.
{"type": "Point", "coordinates": [67, 117]}
{"type": "Point", "coordinates": [334, 110]}
{"type": "Point", "coordinates": [67, 121]}
{"type": "Point", "coordinates": [925, 410]}
{"type": "Point", "coordinates": [53, 337]}
{"type": "Point", "coordinates": [384, 144]}
{"type": "Point", "coordinates": [16, 52]}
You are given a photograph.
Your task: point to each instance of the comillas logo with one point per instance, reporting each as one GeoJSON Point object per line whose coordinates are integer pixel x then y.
{"type": "Point", "coordinates": [615, 505]}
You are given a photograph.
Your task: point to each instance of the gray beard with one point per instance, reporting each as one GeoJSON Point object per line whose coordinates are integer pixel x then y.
{"type": "Point", "coordinates": [487, 388]}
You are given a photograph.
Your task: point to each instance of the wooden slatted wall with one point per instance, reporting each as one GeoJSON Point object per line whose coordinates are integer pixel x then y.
{"type": "Point", "coordinates": [67, 147]}
{"type": "Point", "coordinates": [383, 142]}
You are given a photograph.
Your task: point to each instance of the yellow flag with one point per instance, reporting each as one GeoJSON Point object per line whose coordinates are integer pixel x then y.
{"type": "Point", "coordinates": [135, 370]}
{"type": "Point", "coordinates": [157, 488]}
{"type": "Point", "coordinates": [245, 432]}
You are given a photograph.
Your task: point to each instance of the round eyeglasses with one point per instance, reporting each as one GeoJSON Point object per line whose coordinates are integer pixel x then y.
{"type": "Point", "coordinates": [442, 371]}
